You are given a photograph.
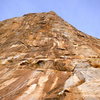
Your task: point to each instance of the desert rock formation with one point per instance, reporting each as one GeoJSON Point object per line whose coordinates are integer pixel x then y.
{"type": "Point", "coordinates": [42, 57]}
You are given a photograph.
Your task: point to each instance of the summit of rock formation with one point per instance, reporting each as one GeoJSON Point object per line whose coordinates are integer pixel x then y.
{"type": "Point", "coordinates": [42, 57]}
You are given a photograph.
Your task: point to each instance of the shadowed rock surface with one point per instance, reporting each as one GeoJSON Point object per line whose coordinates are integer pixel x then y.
{"type": "Point", "coordinates": [42, 57]}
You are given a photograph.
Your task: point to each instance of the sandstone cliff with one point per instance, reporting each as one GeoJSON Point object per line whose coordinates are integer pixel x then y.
{"type": "Point", "coordinates": [42, 57]}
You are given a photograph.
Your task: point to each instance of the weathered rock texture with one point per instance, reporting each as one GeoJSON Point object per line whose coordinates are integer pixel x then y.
{"type": "Point", "coordinates": [42, 57]}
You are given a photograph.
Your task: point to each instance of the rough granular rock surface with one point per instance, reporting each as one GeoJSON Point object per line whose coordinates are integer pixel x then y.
{"type": "Point", "coordinates": [42, 57]}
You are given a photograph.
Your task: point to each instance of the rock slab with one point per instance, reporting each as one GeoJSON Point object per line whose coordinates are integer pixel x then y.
{"type": "Point", "coordinates": [42, 57]}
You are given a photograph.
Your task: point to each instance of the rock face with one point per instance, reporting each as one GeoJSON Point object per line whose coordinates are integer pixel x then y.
{"type": "Point", "coordinates": [42, 57]}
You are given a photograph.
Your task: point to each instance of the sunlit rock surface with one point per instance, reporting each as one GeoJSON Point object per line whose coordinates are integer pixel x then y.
{"type": "Point", "coordinates": [42, 57]}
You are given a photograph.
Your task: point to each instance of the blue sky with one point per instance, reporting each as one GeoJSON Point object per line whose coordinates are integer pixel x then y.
{"type": "Point", "coordinates": [83, 14]}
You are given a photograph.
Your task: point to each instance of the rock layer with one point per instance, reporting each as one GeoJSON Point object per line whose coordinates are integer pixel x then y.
{"type": "Point", "coordinates": [42, 57]}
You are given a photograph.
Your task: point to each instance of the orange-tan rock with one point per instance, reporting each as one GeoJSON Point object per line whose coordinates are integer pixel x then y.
{"type": "Point", "coordinates": [42, 57]}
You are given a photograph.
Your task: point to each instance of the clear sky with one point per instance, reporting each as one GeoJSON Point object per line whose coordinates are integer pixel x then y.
{"type": "Point", "coordinates": [83, 14]}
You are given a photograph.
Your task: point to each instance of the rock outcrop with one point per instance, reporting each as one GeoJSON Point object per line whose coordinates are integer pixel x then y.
{"type": "Point", "coordinates": [42, 57]}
